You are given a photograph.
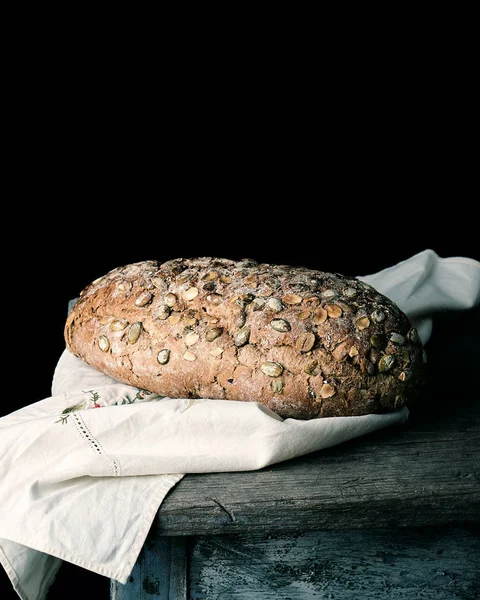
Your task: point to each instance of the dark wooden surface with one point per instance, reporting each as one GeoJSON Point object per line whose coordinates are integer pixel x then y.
{"type": "Point", "coordinates": [433, 563]}
{"type": "Point", "coordinates": [159, 573]}
{"type": "Point", "coordinates": [426, 563]}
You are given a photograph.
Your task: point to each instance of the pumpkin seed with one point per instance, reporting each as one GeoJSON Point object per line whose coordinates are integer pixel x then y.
{"type": "Point", "coordinates": [213, 333]}
{"type": "Point", "coordinates": [320, 316]}
{"type": "Point", "coordinates": [349, 292]}
{"type": "Point", "coordinates": [312, 368]}
{"type": "Point", "coordinates": [327, 391]}
{"type": "Point", "coordinates": [216, 351]}
{"type": "Point", "coordinates": [292, 299]}
{"type": "Point", "coordinates": [189, 321]}
{"type": "Point", "coordinates": [272, 369]}
{"type": "Point", "coordinates": [118, 324]}
{"type": "Point", "coordinates": [396, 338]}
{"type": "Point", "coordinates": [280, 325]}
{"type": "Point", "coordinates": [378, 316]}
{"type": "Point", "coordinates": [242, 336]}
{"type": "Point", "coordinates": [210, 276]}
{"type": "Point", "coordinates": [386, 363]}
{"type": "Point", "coordinates": [163, 312]}
{"type": "Point", "coordinates": [303, 315]}
{"type": "Point", "coordinates": [362, 323]}
{"type": "Point", "coordinates": [134, 332]}
{"type": "Point", "coordinates": [170, 300]}
{"type": "Point", "coordinates": [305, 342]}
{"type": "Point", "coordinates": [163, 356]}
{"type": "Point", "coordinates": [333, 311]}
{"type": "Point", "coordinates": [143, 299]}
{"type": "Point", "coordinates": [103, 343]}
{"type": "Point", "coordinates": [184, 278]}
{"type": "Point", "coordinates": [159, 282]}
{"type": "Point", "coordinates": [277, 386]}
{"type": "Point", "coordinates": [240, 319]}
{"type": "Point", "coordinates": [259, 303]}
{"type": "Point", "coordinates": [191, 339]}
{"type": "Point", "coordinates": [190, 293]}
{"type": "Point", "coordinates": [190, 356]}
{"type": "Point", "coordinates": [413, 336]}
{"type": "Point", "coordinates": [275, 304]}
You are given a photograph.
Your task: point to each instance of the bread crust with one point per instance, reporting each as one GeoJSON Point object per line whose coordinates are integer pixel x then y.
{"type": "Point", "coordinates": [303, 342]}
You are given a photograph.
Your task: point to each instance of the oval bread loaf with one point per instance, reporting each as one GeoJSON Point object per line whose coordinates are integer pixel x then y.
{"type": "Point", "coordinates": [305, 343]}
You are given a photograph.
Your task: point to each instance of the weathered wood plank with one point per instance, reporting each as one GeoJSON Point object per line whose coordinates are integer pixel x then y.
{"type": "Point", "coordinates": [429, 563]}
{"type": "Point", "coordinates": [159, 574]}
{"type": "Point", "coordinates": [416, 475]}
{"type": "Point", "coordinates": [178, 587]}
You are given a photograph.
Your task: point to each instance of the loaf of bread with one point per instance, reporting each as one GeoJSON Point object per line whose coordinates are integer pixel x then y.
{"type": "Point", "coordinates": [302, 342]}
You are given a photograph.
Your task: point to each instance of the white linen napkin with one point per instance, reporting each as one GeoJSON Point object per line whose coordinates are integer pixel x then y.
{"type": "Point", "coordinates": [84, 472]}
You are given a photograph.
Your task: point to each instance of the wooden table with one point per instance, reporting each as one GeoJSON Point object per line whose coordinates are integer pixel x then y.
{"type": "Point", "coordinates": [394, 514]}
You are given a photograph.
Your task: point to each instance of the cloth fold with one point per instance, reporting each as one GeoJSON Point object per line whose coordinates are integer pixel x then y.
{"type": "Point", "coordinates": [84, 472]}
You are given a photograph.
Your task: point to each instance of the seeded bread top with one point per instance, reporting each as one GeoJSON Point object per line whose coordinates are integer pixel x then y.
{"type": "Point", "coordinates": [305, 343]}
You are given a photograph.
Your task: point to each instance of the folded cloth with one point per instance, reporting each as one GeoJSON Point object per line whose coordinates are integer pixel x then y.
{"type": "Point", "coordinates": [84, 485]}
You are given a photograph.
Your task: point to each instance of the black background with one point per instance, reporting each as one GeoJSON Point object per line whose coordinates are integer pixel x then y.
{"type": "Point", "coordinates": [328, 144]}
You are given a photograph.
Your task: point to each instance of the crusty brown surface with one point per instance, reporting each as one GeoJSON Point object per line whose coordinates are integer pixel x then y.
{"type": "Point", "coordinates": [303, 342]}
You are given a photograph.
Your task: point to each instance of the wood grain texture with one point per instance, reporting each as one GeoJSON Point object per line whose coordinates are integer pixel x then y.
{"type": "Point", "coordinates": [159, 574]}
{"type": "Point", "coordinates": [428, 563]}
{"type": "Point", "coordinates": [420, 474]}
